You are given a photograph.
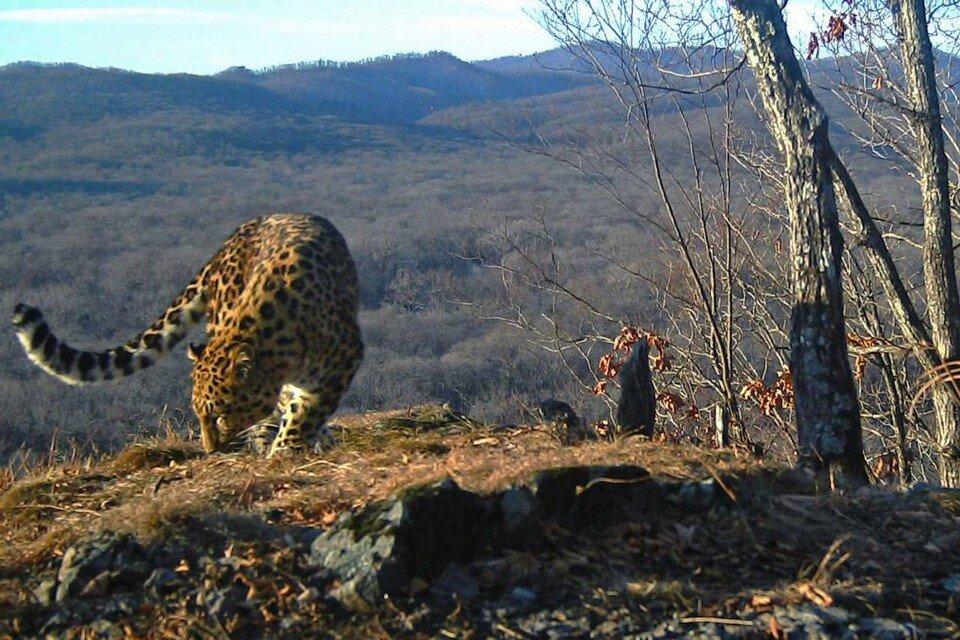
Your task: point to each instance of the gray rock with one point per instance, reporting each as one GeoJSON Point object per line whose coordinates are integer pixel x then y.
{"type": "Point", "coordinates": [522, 596]}
{"type": "Point", "coordinates": [952, 583]}
{"type": "Point", "coordinates": [222, 603]}
{"type": "Point", "coordinates": [106, 630]}
{"type": "Point", "coordinates": [696, 496]}
{"type": "Point", "coordinates": [800, 622]}
{"type": "Point", "coordinates": [545, 624]}
{"type": "Point", "coordinates": [884, 629]}
{"type": "Point", "coordinates": [161, 581]}
{"type": "Point", "coordinates": [46, 592]}
{"type": "Point", "coordinates": [90, 558]}
{"type": "Point", "coordinates": [518, 516]}
{"type": "Point", "coordinates": [455, 584]}
{"type": "Point", "coordinates": [379, 550]}
{"type": "Point", "coordinates": [809, 622]}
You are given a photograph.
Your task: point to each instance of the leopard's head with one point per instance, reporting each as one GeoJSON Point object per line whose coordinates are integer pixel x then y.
{"type": "Point", "coordinates": [224, 391]}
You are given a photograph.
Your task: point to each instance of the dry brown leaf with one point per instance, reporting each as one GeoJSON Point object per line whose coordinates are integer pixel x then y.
{"type": "Point", "coordinates": [329, 517]}
{"type": "Point", "coordinates": [761, 603]}
{"type": "Point", "coordinates": [816, 595]}
{"type": "Point", "coordinates": [776, 631]}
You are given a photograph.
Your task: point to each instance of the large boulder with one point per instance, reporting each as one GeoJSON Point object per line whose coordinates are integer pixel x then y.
{"type": "Point", "coordinates": [388, 548]}
{"type": "Point", "coordinates": [380, 549]}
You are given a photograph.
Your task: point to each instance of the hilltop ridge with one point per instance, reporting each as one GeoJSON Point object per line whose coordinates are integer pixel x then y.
{"type": "Point", "coordinates": [632, 539]}
{"type": "Point", "coordinates": [397, 89]}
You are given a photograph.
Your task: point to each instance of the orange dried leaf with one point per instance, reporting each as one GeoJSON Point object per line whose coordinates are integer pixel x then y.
{"type": "Point", "coordinates": [776, 631]}
{"type": "Point", "coordinates": [329, 517]}
{"type": "Point", "coordinates": [816, 595]}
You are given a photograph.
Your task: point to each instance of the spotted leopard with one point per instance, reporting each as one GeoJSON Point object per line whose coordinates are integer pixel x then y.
{"type": "Point", "coordinates": [280, 298]}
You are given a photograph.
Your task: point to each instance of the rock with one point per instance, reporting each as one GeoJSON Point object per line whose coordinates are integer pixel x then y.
{"type": "Point", "coordinates": [379, 550]}
{"type": "Point", "coordinates": [455, 584]}
{"type": "Point", "coordinates": [799, 622]}
{"type": "Point", "coordinates": [808, 621]}
{"type": "Point", "coordinates": [695, 496]}
{"type": "Point", "coordinates": [424, 418]}
{"type": "Point", "coordinates": [397, 547]}
{"type": "Point", "coordinates": [99, 586]}
{"type": "Point", "coordinates": [518, 517]}
{"type": "Point", "coordinates": [884, 629]}
{"type": "Point", "coordinates": [546, 624]}
{"type": "Point", "coordinates": [595, 497]}
{"type": "Point", "coordinates": [522, 597]}
{"type": "Point", "coordinates": [563, 421]}
{"type": "Point", "coordinates": [91, 558]}
{"type": "Point", "coordinates": [952, 583]}
{"type": "Point", "coordinates": [46, 592]}
{"type": "Point", "coordinates": [106, 630]}
{"type": "Point", "coordinates": [161, 581]}
{"type": "Point", "coordinates": [222, 603]}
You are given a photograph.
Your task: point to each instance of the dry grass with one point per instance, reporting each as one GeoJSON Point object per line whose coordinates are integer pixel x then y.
{"type": "Point", "coordinates": [147, 455]}
{"type": "Point", "coordinates": [872, 550]}
{"type": "Point", "coordinates": [151, 486]}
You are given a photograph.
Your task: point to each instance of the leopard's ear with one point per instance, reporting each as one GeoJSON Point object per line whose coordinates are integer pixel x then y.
{"type": "Point", "coordinates": [195, 351]}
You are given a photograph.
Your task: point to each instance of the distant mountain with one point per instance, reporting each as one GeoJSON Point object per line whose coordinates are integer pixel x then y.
{"type": "Point", "coordinates": [577, 63]}
{"type": "Point", "coordinates": [403, 89]}
{"type": "Point", "coordinates": [555, 60]}
{"type": "Point", "coordinates": [396, 90]}
{"type": "Point", "coordinates": [35, 96]}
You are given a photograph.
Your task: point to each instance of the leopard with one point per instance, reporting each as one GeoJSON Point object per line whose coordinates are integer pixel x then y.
{"type": "Point", "coordinates": [281, 302]}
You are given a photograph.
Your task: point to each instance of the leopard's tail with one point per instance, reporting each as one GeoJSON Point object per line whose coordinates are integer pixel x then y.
{"type": "Point", "coordinates": [74, 366]}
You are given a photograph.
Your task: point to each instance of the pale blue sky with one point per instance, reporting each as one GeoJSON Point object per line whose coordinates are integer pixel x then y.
{"type": "Point", "coordinates": [206, 36]}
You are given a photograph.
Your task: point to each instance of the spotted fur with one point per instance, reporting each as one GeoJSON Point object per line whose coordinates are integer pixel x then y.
{"type": "Point", "coordinates": [280, 298]}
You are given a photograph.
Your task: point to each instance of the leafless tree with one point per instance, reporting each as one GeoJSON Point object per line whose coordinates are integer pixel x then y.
{"type": "Point", "coordinates": [712, 283]}
{"type": "Point", "coordinates": [902, 91]}
{"type": "Point", "coordinates": [891, 82]}
{"type": "Point", "coordinates": [828, 411]}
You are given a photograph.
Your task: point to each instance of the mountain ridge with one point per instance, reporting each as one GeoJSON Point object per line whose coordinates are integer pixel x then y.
{"type": "Point", "coordinates": [396, 90]}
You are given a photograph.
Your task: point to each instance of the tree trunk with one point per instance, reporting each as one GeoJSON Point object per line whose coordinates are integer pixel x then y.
{"type": "Point", "coordinates": [828, 412]}
{"type": "Point", "coordinates": [940, 277]}
{"type": "Point", "coordinates": [637, 408]}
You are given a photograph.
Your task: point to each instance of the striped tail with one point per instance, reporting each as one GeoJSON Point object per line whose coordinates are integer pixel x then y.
{"type": "Point", "coordinates": [82, 367]}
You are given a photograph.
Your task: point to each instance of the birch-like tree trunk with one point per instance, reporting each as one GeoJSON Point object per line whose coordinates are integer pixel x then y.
{"type": "Point", "coordinates": [939, 269]}
{"type": "Point", "coordinates": [828, 412]}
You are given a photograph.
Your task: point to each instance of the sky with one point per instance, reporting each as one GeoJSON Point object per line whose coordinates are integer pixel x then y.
{"type": "Point", "coordinates": [206, 36]}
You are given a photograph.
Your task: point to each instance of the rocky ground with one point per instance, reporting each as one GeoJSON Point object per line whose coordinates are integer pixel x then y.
{"type": "Point", "coordinates": [421, 524]}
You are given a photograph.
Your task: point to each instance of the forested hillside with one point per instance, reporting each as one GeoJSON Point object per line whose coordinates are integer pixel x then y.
{"type": "Point", "coordinates": [116, 187]}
